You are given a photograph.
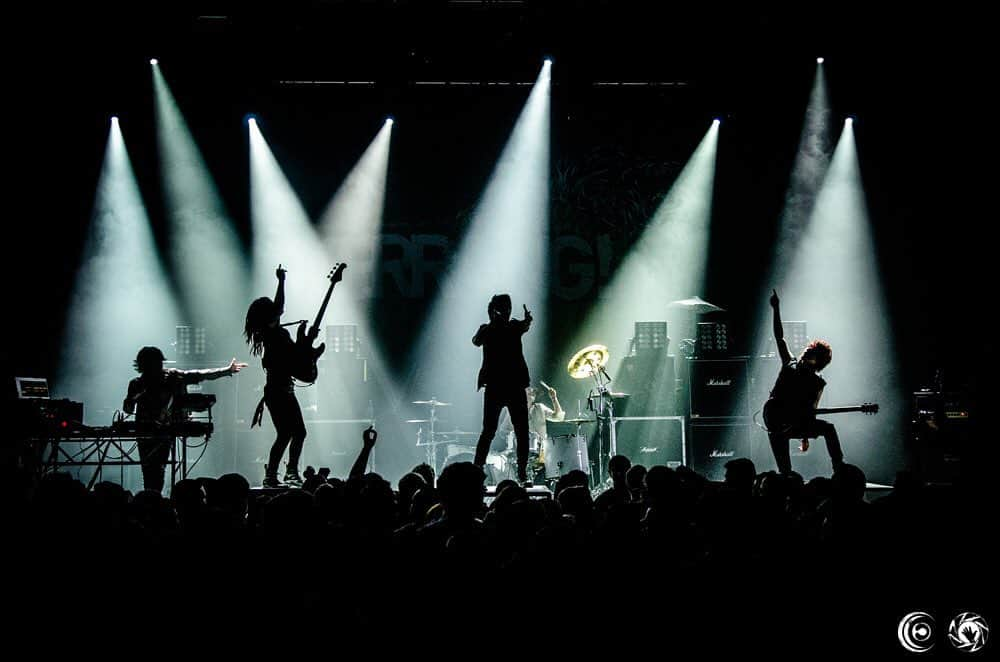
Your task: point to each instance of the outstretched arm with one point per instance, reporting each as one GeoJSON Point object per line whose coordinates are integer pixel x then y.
{"type": "Point", "coordinates": [195, 376]}
{"type": "Point", "coordinates": [279, 296]}
{"type": "Point", "coordinates": [369, 436]}
{"type": "Point", "coordinates": [779, 332]}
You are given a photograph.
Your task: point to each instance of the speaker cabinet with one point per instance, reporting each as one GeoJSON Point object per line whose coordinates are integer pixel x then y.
{"type": "Point", "coordinates": [651, 440]}
{"type": "Point", "coordinates": [714, 444]}
{"type": "Point", "coordinates": [648, 377]}
{"type": "Point", "coordinates": [718, 388]}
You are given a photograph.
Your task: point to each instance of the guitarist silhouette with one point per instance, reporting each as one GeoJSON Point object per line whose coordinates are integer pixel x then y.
{"type": "Point", "coordinates": [284, 360]}
{"type": "Point", "coordinates": [790, 413]}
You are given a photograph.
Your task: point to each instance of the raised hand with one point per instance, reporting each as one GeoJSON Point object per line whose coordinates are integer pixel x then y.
{"type": "Point", "coordinates": [774, 298]}
{"type": "Point", "coordinates": [235, 367]}
{"type": "Point", "coordinates": [370, 436]}
{"type": "Point", "coordinates": [280, 273]}
{"type": "Point", "coordinates": [552, 391]}
{"type": "Point", "coordinates": [527, 314]}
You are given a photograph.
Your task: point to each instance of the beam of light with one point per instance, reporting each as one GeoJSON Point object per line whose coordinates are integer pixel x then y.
{"type": "Point", "coordinates": [350, 228]}
{"type": "Point", "coordinates": [504, 250]}
{"type": "Point", "coordinates": [206, 253]}
{"type": "Point", "coordinates": [121, 297]}
{"type": "Point", "coordinates": [283, 234]}
{"type": "Point", "coordinates": [811, 163]}
{"type": "Point", "coordinates": [666, 263]}
{"type": "Point", "coordinates": [833, 282]}
{"type": "Point", "coordinates": [351, 225]}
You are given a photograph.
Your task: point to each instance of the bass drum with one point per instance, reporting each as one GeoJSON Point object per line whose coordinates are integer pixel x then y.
{"type": "Point", "coordinates": [565, 453]}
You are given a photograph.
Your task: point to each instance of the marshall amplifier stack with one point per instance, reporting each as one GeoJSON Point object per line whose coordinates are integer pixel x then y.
{"type": "Point", "coordinates": [719, 411]}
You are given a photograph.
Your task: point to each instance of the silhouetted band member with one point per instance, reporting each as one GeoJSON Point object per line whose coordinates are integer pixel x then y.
{"type": "Point", "coordinates": [790, 413]}
{"type": "Point", "coordinates": [265, 335]}
{"type": "Point", "coordinates": [151, 397]}
{"type": "Point", "coordinates": [504, 373]}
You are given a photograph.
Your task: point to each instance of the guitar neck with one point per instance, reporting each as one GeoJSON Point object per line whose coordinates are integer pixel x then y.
{"type": "Point", "coordinates": [322, 308]}
{"type": "Point", "coordinates": [839, 410]}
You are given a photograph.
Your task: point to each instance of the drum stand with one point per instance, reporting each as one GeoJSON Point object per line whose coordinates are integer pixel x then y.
{"type": "Point", "coordinates": [601, 403]}
{"type": "Point", "coordinates": [432, 442]}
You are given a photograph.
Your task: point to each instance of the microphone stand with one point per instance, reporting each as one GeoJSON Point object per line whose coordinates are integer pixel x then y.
{"type": "Point", "coordinates": [605, 413]}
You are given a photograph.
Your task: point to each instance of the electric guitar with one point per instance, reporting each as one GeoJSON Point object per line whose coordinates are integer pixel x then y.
{"type": "Point", "coordinates": [307, 370]}
{"type": "Point", "coordinates": [779, 419]}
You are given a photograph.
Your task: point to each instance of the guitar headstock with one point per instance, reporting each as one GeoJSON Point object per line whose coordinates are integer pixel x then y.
{"type": "Point", "coordinates": [869, 408]}
{"type": "Point", "coordinates": [337, 273]}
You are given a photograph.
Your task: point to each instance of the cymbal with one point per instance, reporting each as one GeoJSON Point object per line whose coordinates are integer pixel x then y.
{"type": "Point", "coordinates": [433, 403]}
{"type": "Point", "coordinates": [696, 305]}
{"type": "Point", "coordinates": [586, 362]}
{"type": "Point", "coordinates": [418, 420]}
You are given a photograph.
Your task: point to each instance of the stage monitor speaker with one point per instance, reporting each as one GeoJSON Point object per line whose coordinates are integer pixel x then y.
{"type": "Point", "coordinates": [712, 445]}
{"type": "Point", "coordinates": [651, 440]}
{"type": "Point", "coordinates": [650, 381]}
{"type": "Point", "coordinates": [718, 388]}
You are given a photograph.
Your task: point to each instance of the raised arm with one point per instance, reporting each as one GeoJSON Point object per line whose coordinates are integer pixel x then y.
{"type": "Point", "coordinates": [526, 322]}
{"type": "Point", "coordinates": [779, 332]}
{"type": "Point", "coordinates": [558, 413]}
{"type": "Point", "coordinates": [279, 296]}
{"type": "Point", "coordinates": [368, 437]}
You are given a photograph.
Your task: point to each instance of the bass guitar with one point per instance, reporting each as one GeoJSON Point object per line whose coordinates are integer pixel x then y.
{"type": "Point", "coordinates": [306, 369]}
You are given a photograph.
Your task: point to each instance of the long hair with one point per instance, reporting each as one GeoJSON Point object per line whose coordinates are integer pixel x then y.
{"type": "Point", "coordinates": [259, 315]}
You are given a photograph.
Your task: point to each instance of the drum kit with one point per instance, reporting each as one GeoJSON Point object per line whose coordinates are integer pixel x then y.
{"type": "Point", "coordinates": [558, 454]}
{"type": "Point", "coordinates": [554, 456]}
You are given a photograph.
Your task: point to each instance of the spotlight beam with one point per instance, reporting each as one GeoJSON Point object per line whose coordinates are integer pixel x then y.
{"type": "Point", "coordinates": [121, 297]}
{"type": "Point", "coordinates": [667, 262]}
{"type": "Point", "coordinates": [504, 249]}
{"type": "Point", "coordinates": [206, 253]}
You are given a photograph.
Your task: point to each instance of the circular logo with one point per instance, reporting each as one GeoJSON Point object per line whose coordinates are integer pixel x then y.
{"type": "Point", "coordinates": [916, 632]}
{"type": "Point", "coordinates": [968, 632]}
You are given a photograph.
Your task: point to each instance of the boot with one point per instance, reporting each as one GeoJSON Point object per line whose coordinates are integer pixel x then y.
{"type": "Point", "coordinates": [292, 477]}
{"type": "Point", "coordinates": [522, 476]}
{"type": "Point", "coordinates": [270, 477]}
